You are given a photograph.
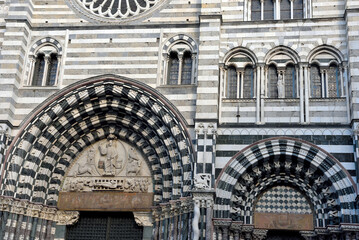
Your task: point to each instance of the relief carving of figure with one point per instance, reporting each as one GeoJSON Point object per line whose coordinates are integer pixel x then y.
{"type": "Point", "coordinates": [280, 86]}
{"type": "Point", "coordinates": [134, 164]}
{"type": "Point", "coordinates": [88, 166]}
{"type": "Point", "coordinates": [109, 159]}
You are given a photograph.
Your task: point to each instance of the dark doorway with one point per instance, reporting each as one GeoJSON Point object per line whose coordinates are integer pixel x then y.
{"type": "Point", "coordinates": [283, 235]}
{"type": "Point", "coordinates": [105, 226]}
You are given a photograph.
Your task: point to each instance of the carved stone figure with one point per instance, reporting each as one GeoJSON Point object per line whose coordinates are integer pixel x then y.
{"type": "Point", "coordinates": [280, 86]}
{"type": "Point", "coordinates": [202, 181]}
{"type": "Point", "coordinates": [87, 167]}
{"type": "Point", "coordinates": [109, 159]}
{"type": "Point", "coordinates": [134, 164]}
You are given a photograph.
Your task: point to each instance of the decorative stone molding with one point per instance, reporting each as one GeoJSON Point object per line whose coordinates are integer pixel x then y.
{"type": "Point", "coordinates": [170, 209]}
{"type": "Point", "coordinates": [286, 131]}
{"type": "Point", "coordinates": [67, 217]}
{"type": "Point", "coordinates": [222, 222]}
{"type": "Point", "coordinates": [143, 219]}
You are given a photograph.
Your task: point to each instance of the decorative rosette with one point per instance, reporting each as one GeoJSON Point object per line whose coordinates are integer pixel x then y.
{"type": "Point", "coordinates": [117, 9]}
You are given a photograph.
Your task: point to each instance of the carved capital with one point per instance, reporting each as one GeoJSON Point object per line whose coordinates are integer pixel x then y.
{"type": "Point", "coordinates": [67, 217]}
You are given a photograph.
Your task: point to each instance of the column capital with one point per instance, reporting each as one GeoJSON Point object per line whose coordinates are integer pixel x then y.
{"type": "Point", "coordinates": [304, 64]}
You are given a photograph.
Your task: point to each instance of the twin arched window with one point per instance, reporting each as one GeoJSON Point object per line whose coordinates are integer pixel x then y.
{"type": "Point", "coordinates": [44, 66]}
{"type": "Point", "coordinates": [240, 82]}
{"type": "Point", "coordinates": [180, 60]}
{"type": "Point", "coordinates": [325, 81]}
{"type": "Point", "coordinates": [240, 76]}
{"type": "Point", "coordinates": [180, 68]}
{"type": "Point", "coordinates": [282, 82]}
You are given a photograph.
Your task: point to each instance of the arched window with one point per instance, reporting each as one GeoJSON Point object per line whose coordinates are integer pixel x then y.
{"type": "Point", "coordinates": [290, 82]}
{"type": "Point", "coordinates": [315, 82]}
{"type": "Point", "coordinates": [256, 10]}
{"type": "Point", "coordinates": [268, 11]}
{"type": "Point", "coordinates": [333, 81]}
{"type": "Point", "coordinates": [186, 68]}
{"type": "Point", "coordinates": [39, 68]}
{"type": "Point", "coordinates": [272, 82]}
{"type": "Point", "coordinates": [248, 82]}
{"type": "Point", "coordinates": [285, 9]}
{"type": "Point", "coordinates": [173, 69]}
{"type": "Point", "coordinates": [44, 66]}
{"type": "Point", "coordinates": [239, 70]}
{"type": "Point", "coordinates": [179, 61]}
{"type": "Point", "coordinates": [297, 9]}
{"type": "Point", "coordinates": [52, 72]}
{"type": "Point", "coordinates": [232, 86]}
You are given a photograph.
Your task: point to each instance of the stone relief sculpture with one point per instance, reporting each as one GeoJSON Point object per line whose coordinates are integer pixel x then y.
{"type": "Point", "coordinates": [111, 165]}
{"type": "Point", "coordinates": [110, 159]}
{"type": "Point", "coordinates": [88, 166]}
{"type": "Point", "coordinates": [280, 86]}
{"type": "Point", "coordinates": [202, 181]}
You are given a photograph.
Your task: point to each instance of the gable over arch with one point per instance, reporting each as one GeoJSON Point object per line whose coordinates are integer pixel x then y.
{"type": "Point", "coordinates": [66, 123]}
{"type": "Point", "coordinates": [297, 163]}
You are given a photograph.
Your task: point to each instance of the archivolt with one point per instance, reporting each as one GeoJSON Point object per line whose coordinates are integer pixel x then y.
{"type": "Point", "coordinates": [286, 161]}
{"type": "Point", "coordinates": [81, 114]}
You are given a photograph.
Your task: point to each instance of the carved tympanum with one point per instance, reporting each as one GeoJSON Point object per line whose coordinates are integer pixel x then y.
{"type": "Point", "coordinates": [109, 164]}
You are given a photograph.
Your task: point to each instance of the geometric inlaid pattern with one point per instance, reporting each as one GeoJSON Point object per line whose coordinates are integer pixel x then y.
{"type": "Point", "coordinates": [58, 130]}
{"type": "Point", "coordinates": [291, 162]}
{"type": "Point", "coordinates": [283, 199]}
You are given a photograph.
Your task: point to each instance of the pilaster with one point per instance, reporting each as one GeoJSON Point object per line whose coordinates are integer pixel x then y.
{"type": "Point", "coordinates": [208, 70]}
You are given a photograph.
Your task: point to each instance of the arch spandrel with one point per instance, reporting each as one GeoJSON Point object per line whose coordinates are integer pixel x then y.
{"type": "Point", "coordinates": [297, 163]}
{"type": "Point", "coordinates": [83, 113]}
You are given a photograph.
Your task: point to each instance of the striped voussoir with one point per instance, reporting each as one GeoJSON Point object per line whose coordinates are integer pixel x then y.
{"type": "Point", "coordinates": [83, 113]}
{"type": "Point", "coordinates": [180, 37]}
{"type": "Point", "coordinates": [44, 41]}
{"type": "Point", "coordinates": [286, 161]}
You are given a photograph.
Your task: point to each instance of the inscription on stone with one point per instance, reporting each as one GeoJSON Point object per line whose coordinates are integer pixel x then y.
{"type": "Point", "coordinates": [286, 221]}
{"type": "Point", "coordinates": [105, 201]}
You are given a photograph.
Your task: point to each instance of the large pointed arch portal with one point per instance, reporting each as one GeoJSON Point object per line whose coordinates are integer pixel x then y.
{"type": "Point", "coordinates": [88, 112]}
{"type": "Point", "coordinates": [314, 182]}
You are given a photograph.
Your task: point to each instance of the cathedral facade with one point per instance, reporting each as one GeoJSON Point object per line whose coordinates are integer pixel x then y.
{"type": "Point", "coordinates": [179, 119]}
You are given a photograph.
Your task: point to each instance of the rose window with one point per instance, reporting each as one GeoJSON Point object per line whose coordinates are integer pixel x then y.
{"type": "Point", "coordinates": [117, 9]}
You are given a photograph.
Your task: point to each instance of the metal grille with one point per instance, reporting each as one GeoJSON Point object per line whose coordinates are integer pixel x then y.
{"type": "Point", "coordinates": [105, 226]}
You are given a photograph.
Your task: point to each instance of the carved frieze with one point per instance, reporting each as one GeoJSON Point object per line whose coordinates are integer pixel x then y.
{"type": "Point", "coordinates": [108, 165]}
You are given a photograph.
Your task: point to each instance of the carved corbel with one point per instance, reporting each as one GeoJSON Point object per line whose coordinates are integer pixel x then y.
{"type": "Point", "coordinates": [67, 217]}
{"type": "Point", "coordinates": [143, 219]}
{"type": "Point", "coordinates": [259, 234]}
